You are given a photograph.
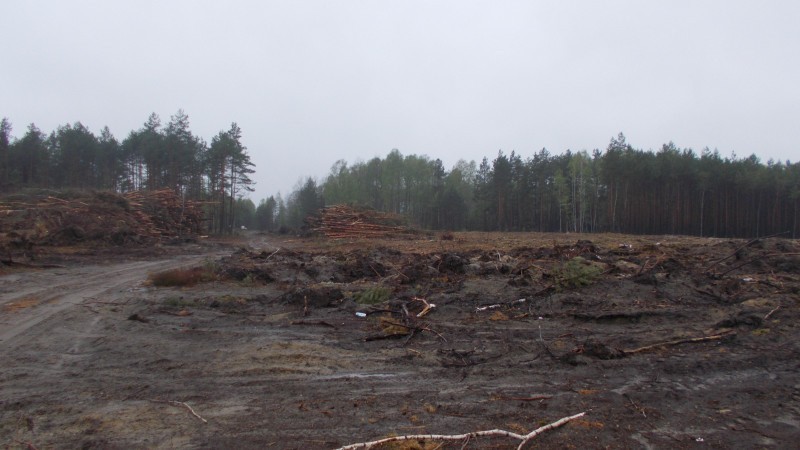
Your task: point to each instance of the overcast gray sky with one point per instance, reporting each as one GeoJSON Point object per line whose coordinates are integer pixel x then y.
{"type": "Point", "coordinates": [311, 82]}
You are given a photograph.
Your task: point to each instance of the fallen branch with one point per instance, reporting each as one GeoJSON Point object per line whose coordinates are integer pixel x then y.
{"type": "Point", "coordinates": [380, 337]}
{"type": "Point", "coordinates": [749, 243]}
{"type": "Point", "coordinates": [525, 438]}
{"type": "Point", "coordinates": [28, 445]}
{"type": "Point", "coordinates": [757, 258]}
{"type": "Point", "coordinates": [715, 337]}
{"type": "Point", "coordinates": [497, 305]}
{"type": "Point", "coordinates": [526, 399]}
{"type": "Point", "coordinates": [177, 403]}
{"type": "Point", "coordinates": [317, 322]}
{"type": "Point", "coordinates": [544, 344]}
{"type": "Point", "coordinates": [635, 406]}
{"type": "Point", "coordinates": [11, 262]}
{"type": "Point", "coordinates": [769, 314]}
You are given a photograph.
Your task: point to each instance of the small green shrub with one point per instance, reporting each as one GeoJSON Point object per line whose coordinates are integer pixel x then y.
{"type": "Point", "coordinates": [575, 273]}
{"type": "Point", "coordinates": [374, 295]}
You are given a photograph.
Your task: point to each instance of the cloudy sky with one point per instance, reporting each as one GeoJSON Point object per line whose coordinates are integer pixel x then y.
{"type": "Point", "coordinates": [311, 82]}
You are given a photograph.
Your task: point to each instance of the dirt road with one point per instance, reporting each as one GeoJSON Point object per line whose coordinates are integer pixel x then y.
{"type": "Point", "coordinates": [32, 298]}
{"type": "Point", "coordinates": [91, 358]}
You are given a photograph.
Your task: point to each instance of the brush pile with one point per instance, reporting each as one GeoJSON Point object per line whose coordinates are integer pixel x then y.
{"type": "Point", "coordinates": [50, 218]}
{"type": "Point", "coordinates": [345, 221]}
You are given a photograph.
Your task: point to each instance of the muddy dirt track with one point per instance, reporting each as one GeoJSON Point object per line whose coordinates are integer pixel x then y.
{"type": "Point", "coordinates": [661, 341]}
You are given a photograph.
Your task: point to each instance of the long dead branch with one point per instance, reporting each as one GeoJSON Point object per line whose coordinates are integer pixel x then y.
{"type": "Point", "coordinates": [757, 258]}
{"type": "Point", "coordinates": [715, 337]}
{"type": "Point", "coordinates": [524, 438]}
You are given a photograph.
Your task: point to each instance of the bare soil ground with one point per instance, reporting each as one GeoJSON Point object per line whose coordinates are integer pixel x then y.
{"type": "Point", "coordinates": [665, 342]}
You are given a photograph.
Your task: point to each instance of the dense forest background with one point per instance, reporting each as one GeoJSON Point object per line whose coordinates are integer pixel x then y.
{"type": "Point", "coordinates": [153, 157]}
{"type": "Point", "coordinates": [619, 189]}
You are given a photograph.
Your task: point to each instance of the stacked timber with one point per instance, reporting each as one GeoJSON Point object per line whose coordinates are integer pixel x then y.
{"type": "Point", "coordinates": [345, 221]}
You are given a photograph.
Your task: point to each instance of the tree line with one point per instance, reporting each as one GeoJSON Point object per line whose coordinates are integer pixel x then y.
{"type": "Point", "coordinates": [620, 189]}
{"type": "Point", "coordinates": [153, 157]}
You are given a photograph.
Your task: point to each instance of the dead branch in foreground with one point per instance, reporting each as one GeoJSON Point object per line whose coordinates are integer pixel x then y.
{"type": "Point", "coordinates": [177, 403]}
{"type": "Point", "coordinates": [678, 342]}
{"type": "Point", "coordinates": [525, 438]}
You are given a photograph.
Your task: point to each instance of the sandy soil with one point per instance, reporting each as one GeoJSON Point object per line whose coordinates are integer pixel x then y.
{"type": "Point", "coordinates": [275, 356]}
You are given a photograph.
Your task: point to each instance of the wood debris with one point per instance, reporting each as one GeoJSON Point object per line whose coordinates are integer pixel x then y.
{"type": "Point", "coordinates": [344, 221]}
{"type": "Point", "coordinates": [43, 218]}
{"type": "Point", "coordinates": [524, 438]}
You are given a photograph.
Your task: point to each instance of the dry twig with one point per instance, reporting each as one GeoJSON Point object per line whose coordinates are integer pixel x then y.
{"type": "Point", "coordinates": [177, 403]}
{"type": "Point", "coordinates": [426, 309]}
{"type": "Point", "coordinates": [413, 328]}
{"type": "Point", "coordinates": [769, 314]}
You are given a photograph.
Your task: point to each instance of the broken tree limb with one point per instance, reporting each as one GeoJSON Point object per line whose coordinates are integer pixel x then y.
{"type": "Point", "coordinates": [525, 438]}
{"type": "Point", "coordinates": [715, 337]}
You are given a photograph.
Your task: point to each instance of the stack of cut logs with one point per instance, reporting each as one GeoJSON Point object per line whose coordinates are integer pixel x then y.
{"type": "Point", "coordinates": [344, 221]}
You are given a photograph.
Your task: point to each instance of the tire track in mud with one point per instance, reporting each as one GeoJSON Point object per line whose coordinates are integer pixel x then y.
{"type": "Point", "coordinates": [43, 295]}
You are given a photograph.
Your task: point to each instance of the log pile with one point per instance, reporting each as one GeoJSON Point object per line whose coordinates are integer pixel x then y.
{"type": "Point", "coordinates": [344, 221]}
{"type": "Point", "coordinates": [51, 218]}
{"type": "Point", "coordinates": [165, 213]}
